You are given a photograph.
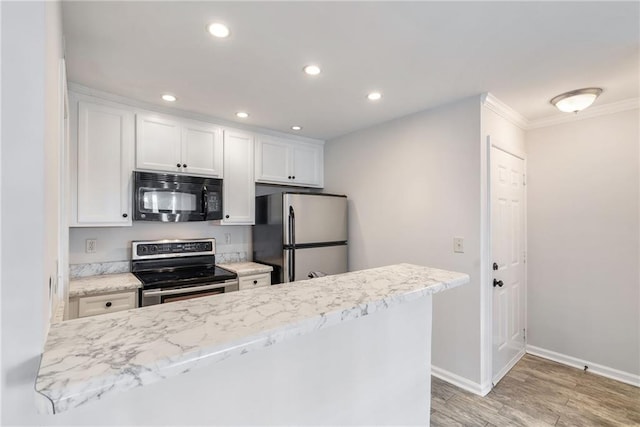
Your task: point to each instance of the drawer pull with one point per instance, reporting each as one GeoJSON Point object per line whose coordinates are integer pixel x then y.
{"type": "Point", "coordinates": [255, 282]}
{"type": "Point", "coordinates": [108, 304]}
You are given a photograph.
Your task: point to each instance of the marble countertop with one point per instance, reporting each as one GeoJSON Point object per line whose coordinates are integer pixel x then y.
{"type": "Point", "coordinates": [90, 358]}
{"type": "Point", "coordinates": [94, 285]}
{"type": "Point", "coordinates": [247, 268]}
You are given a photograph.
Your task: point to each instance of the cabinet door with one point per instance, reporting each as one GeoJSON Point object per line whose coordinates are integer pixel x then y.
{"type": "Point", "coordinates": [308, 164]}
{"type": "Point", "coordinates": [273, 160]}
{"type": "Point", "coordinates": [157, 144]}
{"type": "Point", "coordinates": [238, 185]}
{"type": "Point", "coordinates": [105, 163]}
{"type": "Point", "coordinates": [202, 149]}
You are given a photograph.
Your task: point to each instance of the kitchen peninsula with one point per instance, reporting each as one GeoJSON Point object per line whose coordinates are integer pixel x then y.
{"type": "Point", "coordinates": [353, 348]}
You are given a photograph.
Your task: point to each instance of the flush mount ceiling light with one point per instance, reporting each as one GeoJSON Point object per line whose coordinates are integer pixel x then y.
{"type": "Point", "coordinates": [576, 100]}
{"type": "Point", "coordinates": [374, 96]}
{"type": "Point", "coordinates": [168, 97]}
{"type": "Point", "coordinates": [242, 115]}
{"type": "Point", "coordinates": [312, 70]}
{"type": "Point", "coordinates": [296, 127]}
{"type": "Point", "coordinates": [219, 30]}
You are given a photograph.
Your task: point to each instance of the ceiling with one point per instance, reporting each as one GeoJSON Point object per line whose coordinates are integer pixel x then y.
{"type": "Point", "coordinates": [418, 54]}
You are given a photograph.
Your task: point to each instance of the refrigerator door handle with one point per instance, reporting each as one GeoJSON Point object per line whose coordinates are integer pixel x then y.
{"type": "Point", "coordinates": [292, 243]}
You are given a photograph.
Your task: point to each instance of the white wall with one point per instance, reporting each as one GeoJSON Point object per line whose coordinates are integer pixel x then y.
{"type": "Point", "coordinates": [413, 185]}
{"type": "Point", "coordinates": [583, 251]}
{"type": "Point", "coordinates": [29, 105]}
{"type": "Point", "coordinates": [114, 243]}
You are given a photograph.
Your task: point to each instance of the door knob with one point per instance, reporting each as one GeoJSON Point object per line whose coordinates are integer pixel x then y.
{"type": "Point", "coordinates": [497, 282]}
{"type": "Point", "coordinates": [495, 266]}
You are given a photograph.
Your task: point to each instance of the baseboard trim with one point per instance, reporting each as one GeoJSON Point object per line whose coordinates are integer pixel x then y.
{"type": "Point", "coordinates": [458, 381]}
{"type": "Point", "coordinates": [508, 366]}
{"type": "Point", "coordinates": [595, 368]}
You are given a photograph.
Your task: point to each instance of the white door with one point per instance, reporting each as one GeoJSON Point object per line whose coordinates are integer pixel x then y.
{"type": "Point", "coordinates": [238, 185]}
{"type": "Point", "coordinates": [157, 144]}
{"type": "Point", "coordinates": [202, 150]}
{"type": "Point", "coordinates": [306, 164]}
{"type": "Point", "coordinates": [508, 251]}
{"type": "Point", "coordinates": [273, 160]}
{"type": "Point", "coordinates": [105, 144]}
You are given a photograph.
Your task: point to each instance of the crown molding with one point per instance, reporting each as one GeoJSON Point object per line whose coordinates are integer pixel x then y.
{"type": "Point", "coordinates": [600, 110]}
{"type": "Point", "coordinates": [107, 96]}
{"type": "Point", "coordinates": [503, 110]}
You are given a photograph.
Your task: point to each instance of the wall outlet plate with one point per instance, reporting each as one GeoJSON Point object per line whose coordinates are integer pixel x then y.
{"type": "Point", "coordinates": [90, 246]}
{"type": "Point", "coordinates": [458, 244]}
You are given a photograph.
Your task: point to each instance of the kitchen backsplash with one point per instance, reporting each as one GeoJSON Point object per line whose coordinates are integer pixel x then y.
{"type": "Point", "coordinates": [114, 267]}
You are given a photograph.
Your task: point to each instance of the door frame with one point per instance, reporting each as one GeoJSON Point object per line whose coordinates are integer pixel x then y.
{"type": "Point", "coordinates": [486, 292]}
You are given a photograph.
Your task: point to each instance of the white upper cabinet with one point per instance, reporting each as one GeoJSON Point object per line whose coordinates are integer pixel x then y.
{"type": "Point", "coordinates": [289, 162]}
{"type": "Point", "coordinates": [238, 185]}
{"type": "Point", "coordinates": [202, 149]}
{"type": "Point", "coordinates": [101, 171]}
{"type": "Point", "coordinates": [164, 144]}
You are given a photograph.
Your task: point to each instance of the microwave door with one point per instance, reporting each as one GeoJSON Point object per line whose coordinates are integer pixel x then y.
{"type": "Point", "coordinates": [169, 203]}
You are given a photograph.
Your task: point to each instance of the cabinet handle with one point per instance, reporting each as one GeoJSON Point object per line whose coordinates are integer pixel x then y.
{"type": "Point", "coordinates": [293, 177]}
{"type": "Point", "coordinates": [226, 216]}
{"type": "Point", "coordinates": [124, 215]}
{"type": "Point", "coordinates": [289, 177]}
{"type": "Point", "coordinates": [184, 165]}
{"type": "Point", "coordinates": [255, 282]}
{"type": "Point", "coordinates": [108, 304]}
{"type": "Point", "coordinates": [179, 165]}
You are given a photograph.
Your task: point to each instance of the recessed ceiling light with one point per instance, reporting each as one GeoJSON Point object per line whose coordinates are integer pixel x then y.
{"type": "Point", "coordinates": [312, 70]}
{"type": "Point", "coordinates": [576, 100]}
{"type": "Point", "coordinates": [169, 97]}
{"type": "Point", "coordinates": [218, 30]}
{"type": "Point", "coordinates": [242, 115]}
{"type": "Point", "coordinates": [374, 96]}
{"type": "Point", "coordinates": [296, 127]}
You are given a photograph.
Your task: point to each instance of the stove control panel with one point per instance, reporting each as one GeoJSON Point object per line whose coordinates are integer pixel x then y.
{"type": "Point", "coordinates": [167, 248]}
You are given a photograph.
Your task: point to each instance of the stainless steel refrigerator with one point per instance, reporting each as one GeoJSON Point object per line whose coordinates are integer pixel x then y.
{"type": "Point", "coordinates": [302, 235]}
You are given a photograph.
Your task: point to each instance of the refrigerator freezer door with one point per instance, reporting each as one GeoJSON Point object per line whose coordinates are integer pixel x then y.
{"type": "Point", "coordinates": [318, 218]}
{"type": "Point", "coordinates": [324, 260]}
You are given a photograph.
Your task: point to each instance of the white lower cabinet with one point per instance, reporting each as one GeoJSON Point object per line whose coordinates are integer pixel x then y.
{"type": "Point", "coordinates": [102, 166]}
{"type": "Point", "coordinates": [238, 185]}
{"type": "Point", "coordinates": [101, 304]}
{"type": "Point", "coordinates": [289, 162]}
{"type": "Point", "coordinates": [254, 281]}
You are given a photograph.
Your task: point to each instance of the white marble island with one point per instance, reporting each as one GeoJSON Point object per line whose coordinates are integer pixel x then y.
{"type": "Point", "coordinates": [179, 360]}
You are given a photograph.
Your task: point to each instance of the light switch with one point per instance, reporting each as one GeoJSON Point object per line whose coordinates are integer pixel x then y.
{"type": "Point", "coordinates": [90, 246]}
{"type": "Point", "coordinates": [458, 244]}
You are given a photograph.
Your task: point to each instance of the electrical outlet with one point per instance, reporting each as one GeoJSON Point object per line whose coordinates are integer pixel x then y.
{"type": "Point", "coordinates": [90, 246]}
{"type": "Point", "coordinates": [458, 244]}
{"type": "Point", "coordinates": [227, 238]}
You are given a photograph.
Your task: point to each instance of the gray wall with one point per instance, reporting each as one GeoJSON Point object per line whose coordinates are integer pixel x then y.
{"type": "Point", "coordinates": [583, 263]}
{"type": "Point", "coordinates": [413, 185]}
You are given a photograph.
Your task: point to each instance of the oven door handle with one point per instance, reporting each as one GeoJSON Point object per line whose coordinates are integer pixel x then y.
{"type": "Point", "coordinates": [179, 291]}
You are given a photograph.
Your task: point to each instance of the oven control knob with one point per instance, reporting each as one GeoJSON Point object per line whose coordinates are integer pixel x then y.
{"type": "Point", "coordinates": [153, 248]}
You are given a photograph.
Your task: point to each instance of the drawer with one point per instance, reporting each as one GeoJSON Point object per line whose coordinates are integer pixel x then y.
{"type": "Point", "coordinates": [254, 281]}
{"type": "Point", "coordinates": [101, 304]}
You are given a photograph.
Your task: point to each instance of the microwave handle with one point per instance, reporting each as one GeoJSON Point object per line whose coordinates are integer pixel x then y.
{"type": "Point", "coordinates": [205, 201]}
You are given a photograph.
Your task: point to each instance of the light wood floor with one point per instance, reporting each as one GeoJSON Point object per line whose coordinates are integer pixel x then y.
{"type": "Point", "coordinates": [538, 392]}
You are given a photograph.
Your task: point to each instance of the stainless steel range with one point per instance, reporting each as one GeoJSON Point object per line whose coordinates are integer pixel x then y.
{"type": "Point", "coordinates": [175, 270]}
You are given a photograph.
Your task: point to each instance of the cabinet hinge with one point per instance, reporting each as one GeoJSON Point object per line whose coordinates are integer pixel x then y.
{"type": "Point", "coordinates": [524, 179]}
{"type": "Point", "coordinates": [524, 257]}
{"type": "Point", "coordinates": [524, 334]}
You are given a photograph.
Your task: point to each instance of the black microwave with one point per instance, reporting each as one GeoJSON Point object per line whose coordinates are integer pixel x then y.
{"type": "Point", "coordinates": [176, 198]}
